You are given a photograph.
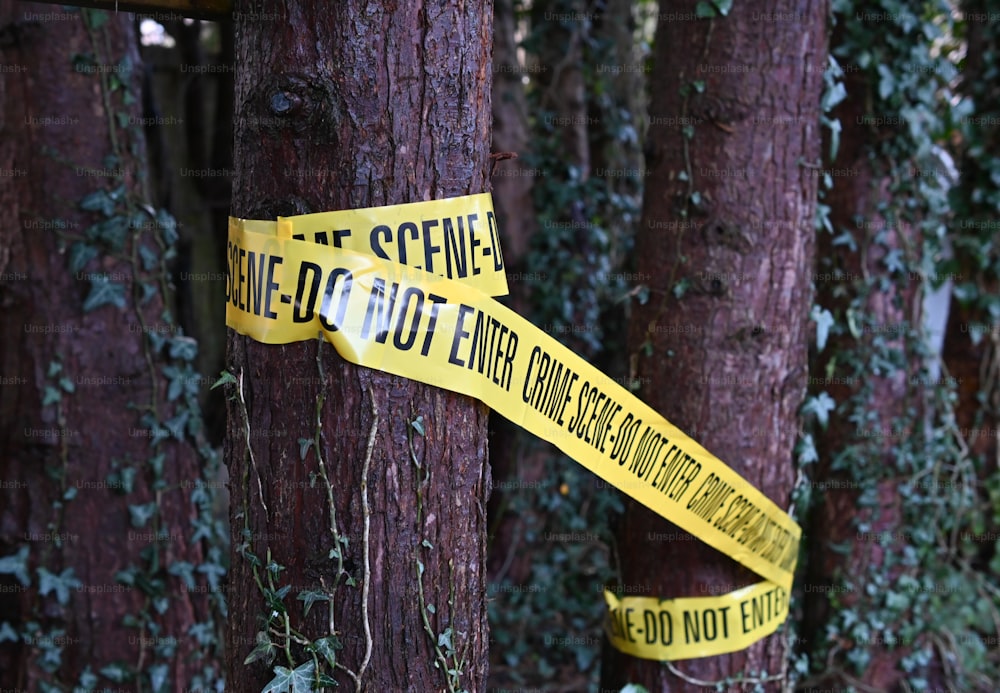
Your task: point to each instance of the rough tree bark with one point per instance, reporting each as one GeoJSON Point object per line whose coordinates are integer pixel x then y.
{"type": "Point", "coordinates": [726, 249]}
{"type": "Point", "coordinates": [854, 201]}
{"type": "Point", "coordinates": [69, 430]}
{"type": "Point", "coordinates": [514, 455]}
{"type": "Point", "coordinates": [338, 106]}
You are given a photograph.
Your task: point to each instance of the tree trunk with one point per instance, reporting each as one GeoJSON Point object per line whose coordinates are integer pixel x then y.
{"type": "Point", "coordinates": [726, 249]}
{"type": "Point", "coordinates": [972, 343]}
{"type": "Point", "coordinates": [854, 202]}
{"type": "Point", "coordinates": [99, 403]}
{"type": "Point", "coordinates": [341, 106]}
{"type": "Point", "coordinates": [518, 460]}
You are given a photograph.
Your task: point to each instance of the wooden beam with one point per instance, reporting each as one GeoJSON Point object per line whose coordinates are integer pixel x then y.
{"type": "Point", "coordinates": [200, 9]}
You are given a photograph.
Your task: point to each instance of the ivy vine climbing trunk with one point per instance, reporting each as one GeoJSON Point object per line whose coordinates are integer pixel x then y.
{"type": "Point", "coordinates": [338, 106]}
{"type": "Point", "coordinates": [847, 501]}
{"type": "Point", "coordinates": [726, 250]}
{"type": "Point", "coordinates": [110, 559]}
{"type": "Point", "coordinates": [888, 499]}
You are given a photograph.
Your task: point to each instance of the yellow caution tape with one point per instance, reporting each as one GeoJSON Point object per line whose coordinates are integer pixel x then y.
{"type": "Point", "coordinates": [455, 238]}
{"type": "Point", "coordinates": [447, 333]}
{"type": "Point", "coordinates": [691, 627]}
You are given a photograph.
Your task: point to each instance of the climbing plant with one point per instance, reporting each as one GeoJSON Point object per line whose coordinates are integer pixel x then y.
{"type": "Point", "coordinates": [125, 228]}
{"type": "Point", "coordinates": [926, 599]}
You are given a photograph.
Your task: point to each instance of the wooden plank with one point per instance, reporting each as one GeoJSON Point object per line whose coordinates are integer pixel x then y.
{"type": "Point", "coordinates": [200, 9]}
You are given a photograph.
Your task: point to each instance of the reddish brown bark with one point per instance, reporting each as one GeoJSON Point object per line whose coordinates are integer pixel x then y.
{"type": "Point", "coordinates": [516, 457]}
{"type": "Point", "coordinates": [975, 363]}
{"type": "Point", "coordinates": [858, 191]}
{"type": "Point", "coordinates": [339, 106]}
{"type": "Point", "coordinates": [724, 356]}
{"type": "Point", "coordinates": [55, 133]}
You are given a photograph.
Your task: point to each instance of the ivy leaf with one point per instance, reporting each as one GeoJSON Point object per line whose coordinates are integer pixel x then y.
{"type": "Point", "coordinates": [824, 321]}
{"type": "Point", "coordinates": [705, 10]}
{"type": "Point", "coordinates": [176, 424]}
{"type": "Point", "coordinates": [183, 348]}
{"type": "Point", "coordinates": [51, 396]}
{"type": "Point", "coordinates": [894, 261]}
{"type": "Point", "coordinates": [185, 571]}
{"type": "Point", "coordinates": [174, 389]}
{"type": "Point", "coordinates": [98, 201]}
{"type": "Point", "coordinates": [17, 565]}
{"type": "Point", "coordinates": [887, 82]}
{"type": "Point", "coordinates": [122, 480]}
{"type": "Point", "coordinates": [444, 640]}
{"type": "Point", "coordinates": [7, 632]}
{"type": "Point", "coordinates": [418, 425]}
{"type": "Point", "coordinates": [304, 444]}
{"type": "Point", "coordinates": [821, 219]}
{"type": "Point", "coordinates": [112, 231]}
{"type": "Point", "coordinates": [127, 576]}
{"type": "Point", "coordinates": [265, 649]}
{"type": "Point", "coordinates": [323, 681]}
{"type": "Point", "coordinates": [833, 95]}
{"type": "Point", "coordinates": [158, 677]}
{"type": "Point", "coordinates": [168, 225]}
{"type": "Point", "coordinates": [806, 450]}
{"type": "Point", "coordinates": [61, 584]}
{"type": "Point", "coordinates": [310, 597]}
{"type": "Point", "coordinates": [149, 258]}
{"type": "Point", "coordinates": [298, 680]}
{"type": "Point", "coordinates": [88, 680]}
{"type": "Point", "coordinates": [141, 514]}
{"type": "Point", "coordinates": [104, 291]}
{"type": "Point", "coordinates": [80, 254]}
{"type": "Point", "coordinates": [203, 633]}
{"type": "Point", "coordinates": [724, 6]}
{"type": "Point", "coordinates": [634, 688]}
{"type": "Point", "coordinates": [681, 287]}
{"type": "Point", "coordinates": [117, 672]}
{"type": "Point", "coordinates": [213, 569]}
{"type": "Point", "coordinates": [327, 647]}
{"type": "Point", "coordinates": [821, 405]}
{"type": "Point", "coordinates": [225, 378]}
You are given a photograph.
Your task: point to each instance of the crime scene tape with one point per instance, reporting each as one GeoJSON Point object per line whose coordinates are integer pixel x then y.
{"type": "Point", "coordinates": [440, 236]}
{"type": "Point", "coordinates": [286, 284]}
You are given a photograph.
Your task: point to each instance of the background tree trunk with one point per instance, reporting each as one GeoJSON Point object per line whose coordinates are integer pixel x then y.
{"type": "Point", "coordinates": [516, 456]}
{"type": "Point", "coordinates": [95, 488]}
{"type": "Point", "coordinates": [340, 106]}
{"type": "Point", "coordinates": [855, 200]}
{"type": "Point", "coordinates": [972, 343]}
{"type": "Point", "coordinates": [726, 249]}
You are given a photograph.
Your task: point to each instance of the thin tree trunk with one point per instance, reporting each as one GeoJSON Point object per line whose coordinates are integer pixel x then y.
{"type": "Point", "coordinates": [726, 249]}
{"type": "Point", "coordinates": [340, 106]}
{"type": "Point", "coordinates": [101, 503]}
